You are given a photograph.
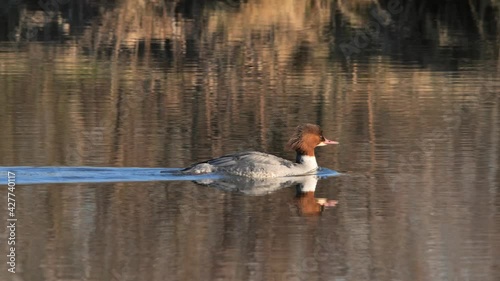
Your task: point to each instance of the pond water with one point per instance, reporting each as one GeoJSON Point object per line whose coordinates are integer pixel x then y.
{"type": "Point", "coordinates": [98, 98]}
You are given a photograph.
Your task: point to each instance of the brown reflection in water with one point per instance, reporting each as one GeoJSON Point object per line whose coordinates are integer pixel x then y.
{"type": "Point", "coordinates": [90, 111]}
{"type": "Point", "coordinates": [308, 205]}
{"type": "Point", "coordinates": [152, 86]}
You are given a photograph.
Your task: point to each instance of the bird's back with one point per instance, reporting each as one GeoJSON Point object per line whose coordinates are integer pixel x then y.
{"type": "Point", "coordinates": [248, 164]}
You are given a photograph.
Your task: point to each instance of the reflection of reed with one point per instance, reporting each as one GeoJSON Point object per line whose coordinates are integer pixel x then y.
{"type": "Point", "coordinates": [257, 71]}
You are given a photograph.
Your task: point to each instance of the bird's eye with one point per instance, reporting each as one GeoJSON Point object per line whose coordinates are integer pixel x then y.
{"type": "Point", "coordinates": [322, 138]}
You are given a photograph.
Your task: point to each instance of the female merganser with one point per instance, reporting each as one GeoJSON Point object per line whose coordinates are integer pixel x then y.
{"type": "Point", "coordinates": [255, 164]}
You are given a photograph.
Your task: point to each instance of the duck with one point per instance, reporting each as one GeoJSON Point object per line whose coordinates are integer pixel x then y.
{"type": "Point", "coordinates": [255, 164]}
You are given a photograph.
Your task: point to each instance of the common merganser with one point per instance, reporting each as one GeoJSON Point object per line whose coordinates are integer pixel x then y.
{"type": "Point", "coordinates": [255, 164]}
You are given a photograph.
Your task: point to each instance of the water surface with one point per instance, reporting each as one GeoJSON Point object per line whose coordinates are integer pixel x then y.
{"type": "Point", "coordinates": [411, 92]}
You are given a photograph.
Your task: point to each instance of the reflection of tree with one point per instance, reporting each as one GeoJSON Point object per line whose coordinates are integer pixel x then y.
{"type": "Point", "coordinates": [145, 26]}
{"type": "Point", "coordinates": [225, 64]}
{"type": "Point", "coordinates": [210, 75]}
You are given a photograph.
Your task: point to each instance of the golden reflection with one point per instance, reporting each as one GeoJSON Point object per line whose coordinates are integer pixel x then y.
{"type": "Point", "coordinates": [148, 84]}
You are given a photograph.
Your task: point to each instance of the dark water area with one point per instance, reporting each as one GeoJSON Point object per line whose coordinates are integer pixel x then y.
{"type": "Point", "coordinates": [98, 97]}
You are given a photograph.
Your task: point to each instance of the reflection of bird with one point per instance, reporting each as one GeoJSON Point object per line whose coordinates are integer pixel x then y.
{"type": "Point", "coordinates": [305, 201]}
{"type": "Point", "coordinates": [308, 205]}
{"type": "Point", "coordinates": [254, 164]}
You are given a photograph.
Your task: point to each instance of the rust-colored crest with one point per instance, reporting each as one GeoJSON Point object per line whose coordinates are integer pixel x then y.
{"type": "Point", "coordinates": [305, 139]}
